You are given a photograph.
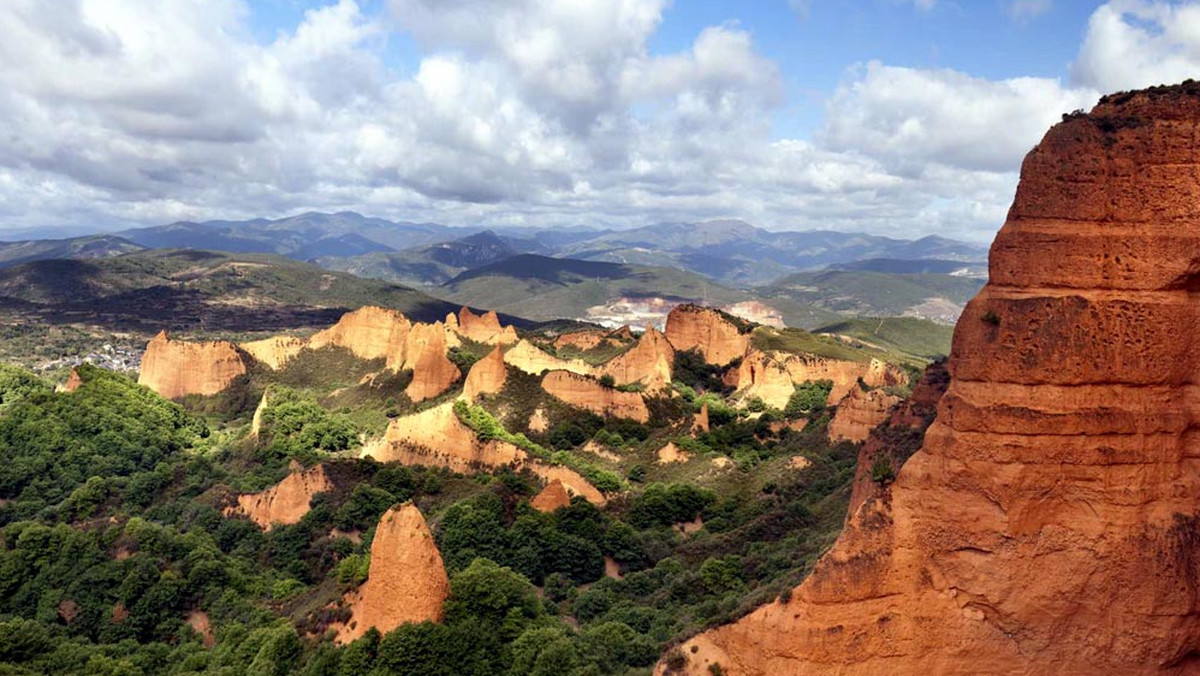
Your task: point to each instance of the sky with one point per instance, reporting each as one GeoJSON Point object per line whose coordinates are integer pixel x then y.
{"type": "Point", "coordinates": [895, 117]}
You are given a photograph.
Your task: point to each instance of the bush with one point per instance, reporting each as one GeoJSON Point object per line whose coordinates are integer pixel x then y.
{"type": "Point", "coordinates": [809, 397]}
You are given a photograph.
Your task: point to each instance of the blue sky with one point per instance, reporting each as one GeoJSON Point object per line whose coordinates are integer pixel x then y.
{"type": "Point", "coordinates": [896, 117]}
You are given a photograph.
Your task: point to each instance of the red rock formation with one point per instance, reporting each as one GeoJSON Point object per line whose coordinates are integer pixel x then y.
{"type": "Point", "coordinates": [527, 357]}
{"type": "Point", "coordinates": [1049, 522]}
{"type": "Point", "coordinates": [553, 496]}
{"type": "Point", "coordinates": [73, 381]}
{"type": "Point", "coordinates": [406, 581]}
{"type": "Point", "coordinates": [858, 413]}
{"type": "Point", "coordinates": [486, 376]}
{"type": "Point", "coordinates": [649, 362]}
{"type": "Point", "coordinates": [176, 368]}
{"type": "Point", "coordinates": [586, 393]}
{"type": "Point", "coordinates": [368, 332]}
{"type": "Point", "coordinates": [772, 376]}
{"type": "Point", "coordinates": [437, 437]}
{"type": "Point", "coordinates": [198, 620]}
{"type": "Point", "coordinates": [538, 422]}
{"type": "Point", "coordinates": [286, 502]}
{"type": "Point", "coordinates": [708, 332]}
{"type": "Point", "coordinates": [485, 328]}
{"type": "Point", "coordinates": [425, 353]}
{"type": "Point", "coordinates": [276, 351]}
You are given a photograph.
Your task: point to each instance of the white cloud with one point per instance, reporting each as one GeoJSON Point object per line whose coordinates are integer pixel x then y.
{"type": "Point", "coordinates": [519, 111]}
{"type": "Point", "coordinates": [1133, 43]}
{"type": "Point", "coordinates": [1024, 10]}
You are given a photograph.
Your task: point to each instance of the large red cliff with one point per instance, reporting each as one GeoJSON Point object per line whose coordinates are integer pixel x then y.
{"type": "Point", "coordinates": [1050, 522]}
{"type": "Point", "coordinates": [712, 334]}
{"type": "Point", "coordinates": [649, 362]}
{"type": "Point", "coordinates": [176, 368]}
{"type": "Point", "coordinates": [406, 581]}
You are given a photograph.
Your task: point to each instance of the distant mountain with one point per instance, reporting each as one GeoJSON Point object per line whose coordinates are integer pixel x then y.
{"type": "Point", "coordinates": [908, 267]}
{"type": "Point", "coordinates": [92, 246]}
{"type": "Point", "coordinates": [938, 297]}
{"type": "Point", "coordinates": [738, 253]}
{"type": "Point", "coordinates": [303, 237]}
{"type": "Point", "coordinates": [433, 264]}
{"type": "Point", "coordinates": [198, 290]}
{"type": "Point", "coordinates": [545, 288]}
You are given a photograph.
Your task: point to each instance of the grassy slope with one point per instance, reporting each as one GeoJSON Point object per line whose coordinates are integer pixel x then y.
{"type": "Point", "coordinates": [870, 293]}
{"type": "Point", "coordinates": [905, 335]}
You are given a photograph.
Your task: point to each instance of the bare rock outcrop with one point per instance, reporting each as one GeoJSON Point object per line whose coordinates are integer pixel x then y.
{"type": "Point", "coordinates": [176, 368]}
{"type": "Point", "coordinates": [527, 357]}
{"type": "Point", "coordinates": [708, 332]}
{"type": "Point", "coordinates": [436, 437]}
{"type": "Point", "coordinates": [73, 382]}
{"type": "Point", "coordinates": [406, 581]}
{"type": "Point", "coordinates": [858, 413]}
{"type": "Point", "coordinates": [1049, 522]}
{"type": "Point", "coordinates": [587, 339]}
{"type": "Point", "coordinates": [425, 353]}
{"type": "Point", "coordinates": [553, 496]}
{"type": "Point", "coordinates": [286, 502]}
{"type": "Point", "coordinates": [700, 420]}
{"type": "Point", "coordinates": [276, 351]}
{"type": "Point", "coordinates": [369, 333]}
{"type": "Point", "coordinates": [486, 376]}
{"type": "Point", "coordinates": [773, 376]}
{"type": "Point", "coordinates": [485, 328]}
{"type": "Point", "coordinates": [586, 393]}
{"type": "Point", "coordinates": [649, 362]}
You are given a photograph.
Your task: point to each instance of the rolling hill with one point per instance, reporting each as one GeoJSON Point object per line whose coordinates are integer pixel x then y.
{"type": "Point", "coordinates": [939, 297]}
{"type": "Point", "coordinates": [433, 264]}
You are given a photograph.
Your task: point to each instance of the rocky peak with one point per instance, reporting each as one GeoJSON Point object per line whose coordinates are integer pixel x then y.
{"type": "Point", "coordinates": [175, 368]}
{"type": "Point", "coordinates": [406, 581]}
{"type": "Point", "coordinates": [1048, 522]}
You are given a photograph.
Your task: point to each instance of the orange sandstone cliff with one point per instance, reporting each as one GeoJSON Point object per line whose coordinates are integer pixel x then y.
{"type": "Point", "coordinates": [649, 363]}
{"type": "Point", "coordinates": [276, 351]}
{"type": "Point", "coordinates": [425, 353]}
{"type": "Point", "coordinates": [406, 581]}
{"type": "Point", "coordinates": [527, 357]}
{"type": "Point", "coordinates": [1050, 521]}
{"type": "Point", "coordinates": [860, 412]}
{"type": "Point", "coordinates": [484, 328]}
{"type": "Point", "coordinates": [175, 368]}
{"type": "Point", "coordinates": [486, 376]}
{"type": "Point", "coordinates": [708, 332]}
{"type": "Point", "coordinates": [287, 501]}
{"type": "Point", "coordinates": [589, 394]}
{"type": "Point", "coordinates": [368, 332]}
{"type": "Point", "coordinates": [772, 376]}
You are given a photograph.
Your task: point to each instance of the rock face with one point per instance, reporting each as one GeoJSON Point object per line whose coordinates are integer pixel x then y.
{"type": "Point", "coordinates": [858, 413]}
{"type": "Point", "coordinates": [553, 496]}
{"type": "Point", "coordinates": [772, 376]}
{"type": "Point", "coordinates": [486, 376]}
{"type": "Point", "coordinates": [582, 340]}
{"type": "Point", "coordinates": [275, 352]}
{"type": "Point", "coordinates": [425, 353]}
{"type": "Point", "coordinates": [368, 332]}
{"type": "Point", "coordinates": [708, 332]}
{"type": "Point", "coordinates": [287, 501]}
{"type": "Point", "coordinates": [1049, 523]}
{"type": "Point", "coordinates": [527, 357]}
{"type": "Point", "coordinates": [649, 362]}
{"type": "Point", "coordinates": [175, 368]}
{"type": "Point", "coordinates": [485, 328]}
{"type": "Point", "coordinates": [406, 581]}
{"type": "Point", "coordinates": [437, 437]}
{"type": "Point", "coordinates": [73, 382]}
{"type": "Point", "coordinates": [586, 393]}
{"type": "Point", "coordinates": [700, 420]}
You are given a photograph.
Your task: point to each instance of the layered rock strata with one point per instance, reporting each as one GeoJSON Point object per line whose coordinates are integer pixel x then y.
{"type": "Point", "coordinates": [772, 376]}
{"type": "Point", "coordinates": [406, 581]}
{"type": "Point", "coordinates": [1050, 521]}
